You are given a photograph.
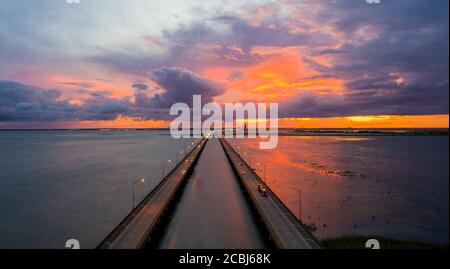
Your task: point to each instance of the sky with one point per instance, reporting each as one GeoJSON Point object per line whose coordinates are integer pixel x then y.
{"type": "Point", "coordinates": [122, 64]}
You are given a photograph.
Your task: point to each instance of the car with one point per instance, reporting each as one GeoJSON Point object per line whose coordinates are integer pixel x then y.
{"type": "Point", "coordinates": [262, 190]}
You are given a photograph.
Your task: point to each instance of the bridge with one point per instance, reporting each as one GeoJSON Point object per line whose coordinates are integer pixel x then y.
{"type": "Point", "coordinates": [210, 199]}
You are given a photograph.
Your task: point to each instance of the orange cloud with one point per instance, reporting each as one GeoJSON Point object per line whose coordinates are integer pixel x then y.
{"type": "Point", "coordinates": [121, 122]}
{"type": "Point", "coordinates": [281, 76]}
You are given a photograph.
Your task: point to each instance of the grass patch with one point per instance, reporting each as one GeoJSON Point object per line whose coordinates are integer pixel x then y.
{"type": "Point", "coordinates": [359, 242]}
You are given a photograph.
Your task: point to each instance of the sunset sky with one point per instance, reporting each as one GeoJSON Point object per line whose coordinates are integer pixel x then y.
{"type": "Point", "coordinates": [111, 63]}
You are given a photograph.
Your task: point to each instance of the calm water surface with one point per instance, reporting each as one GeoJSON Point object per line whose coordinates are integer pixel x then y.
{"type": "Point", "coordinates": [58, 185]}
{"type": "Point", "coordinates": [394, 186]}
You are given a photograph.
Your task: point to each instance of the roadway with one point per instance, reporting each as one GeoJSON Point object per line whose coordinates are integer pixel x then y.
{"type": "Point", "coordinates": [213, 211]}
{"type": "Point", "coordinates": [210, 200]}
{"type": "Point", "coordinates": [284, 228]}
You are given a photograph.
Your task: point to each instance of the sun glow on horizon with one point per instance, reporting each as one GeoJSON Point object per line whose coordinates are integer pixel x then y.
{"type": "Point", "coordinates": [376, 121]}
{"type": "Point", "coordinates": [379, 121]}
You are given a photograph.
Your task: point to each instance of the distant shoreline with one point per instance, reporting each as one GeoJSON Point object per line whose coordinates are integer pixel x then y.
{"type": "Point", "coordinates": [366, 132]}
{"type": "Point", "coordinates": [293, 132]}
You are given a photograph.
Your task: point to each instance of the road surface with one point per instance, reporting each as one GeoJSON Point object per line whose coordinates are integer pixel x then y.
{"type": "Point", "coordinates": [283, 226]}
{"type": "Point", "coordinates": [213, 211]}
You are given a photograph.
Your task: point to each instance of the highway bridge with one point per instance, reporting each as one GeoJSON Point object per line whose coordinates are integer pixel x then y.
{"type": "Point", "coordinates": [210, 200]}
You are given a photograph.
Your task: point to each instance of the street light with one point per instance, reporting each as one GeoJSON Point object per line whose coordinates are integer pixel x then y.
{"type": "Point", "coordinates": [299, 204]}
{"type": "Point", "coordinates": [142, 180]}
{"type": "Point", "coordinates": [180, 152]}
{"type": "Point", "coordinates": [163, 164]}
{"type": "Point", "coordinates": [249, 159]}
{"type": "Point", "coordinates": [264, 167]}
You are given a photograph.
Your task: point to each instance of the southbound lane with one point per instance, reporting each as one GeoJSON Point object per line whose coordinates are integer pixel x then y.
{"type": "Point", "coordinates": [212, 212]}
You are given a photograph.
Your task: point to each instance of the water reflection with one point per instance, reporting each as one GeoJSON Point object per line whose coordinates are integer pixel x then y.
{"type": "Point", "coordinates": [357, 185]}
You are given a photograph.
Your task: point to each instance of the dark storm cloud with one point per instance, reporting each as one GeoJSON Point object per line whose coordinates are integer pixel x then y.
{"type": "Point", "coordinates": [181, 84]}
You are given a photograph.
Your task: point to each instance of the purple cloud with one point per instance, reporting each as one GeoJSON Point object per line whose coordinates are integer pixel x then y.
{"type": "Point", "coordinates": [180, 85]}
{"type": "Point", "coordinates": [394, 60]}
{"type": "Point", "coordinates": [20, 102]}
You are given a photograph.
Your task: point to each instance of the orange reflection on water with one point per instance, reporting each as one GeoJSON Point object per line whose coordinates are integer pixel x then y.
{"type": "Point", "coordinates": [352, 138]}
{"type": "Point", "coordinates": [330, 190]}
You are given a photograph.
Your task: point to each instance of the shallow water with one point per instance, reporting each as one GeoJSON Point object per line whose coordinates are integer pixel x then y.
{"type": "Point", "coordinates": [384, 185]}
{"type": "Point", "coordinates": [58, 185]}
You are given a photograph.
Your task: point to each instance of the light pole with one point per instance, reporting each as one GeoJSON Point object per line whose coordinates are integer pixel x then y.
{"type": "Point", "coordinates": [181, 153]}
{"type": "Point", "coordinates": [163, 166]}
{"type": "Point", "coordinates": [248, 157]}
{"type": "Point", "coordinates": [142, 180]}
{"type": "Point", "coordinates": [299, 204]}
{"type": "Point", "coordinates": [264, 169]}
{"type": "Point", "coordinates": [188, 147]}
